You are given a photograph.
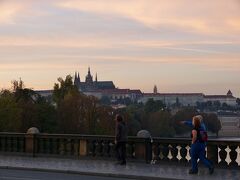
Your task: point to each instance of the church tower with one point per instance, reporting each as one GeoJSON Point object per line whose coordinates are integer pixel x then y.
{"type": "Point", "coordinates": [89, 78]}
{"type": "Point", "coordinates": [77, 81]}
{"type": "Point", "coordinates": [96, 79]}
{"type": "Point", "coordinates": [155, 90]}
{"type": "Point", "coordinates": [229, 93]}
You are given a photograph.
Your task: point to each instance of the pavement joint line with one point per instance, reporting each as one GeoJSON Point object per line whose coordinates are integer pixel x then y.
{"type": "Point", "coordinates": [115, 175]}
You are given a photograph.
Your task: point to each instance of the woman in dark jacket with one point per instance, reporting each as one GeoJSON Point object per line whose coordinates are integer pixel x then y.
{"type": "Point", "coordinates": [198, 148]}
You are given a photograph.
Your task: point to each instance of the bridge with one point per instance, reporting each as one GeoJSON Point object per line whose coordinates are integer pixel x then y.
{"type": "Point", "coordinates": [94, 156]}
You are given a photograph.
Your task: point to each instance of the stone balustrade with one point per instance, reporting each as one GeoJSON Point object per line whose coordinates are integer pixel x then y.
{"type": "Point", "coordinates": [225, 153]}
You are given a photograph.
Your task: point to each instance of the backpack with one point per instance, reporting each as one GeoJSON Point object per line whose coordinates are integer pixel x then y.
{"type": "Point", "coordinates": [203, 136]}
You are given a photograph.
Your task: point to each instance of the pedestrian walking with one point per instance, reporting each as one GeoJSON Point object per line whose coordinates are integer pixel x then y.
{"type": "Point", "coordinates": [198, 148]}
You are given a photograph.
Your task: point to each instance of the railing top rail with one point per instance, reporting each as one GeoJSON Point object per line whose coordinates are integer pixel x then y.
{"type": "Point", "coordinates": [130, 138]}
{"type": "Point", "coordinates": [156, 139]}
{"type": "Point", "coordinates": [84, 136]}
{"type": "Point", "coordinates": [11, 134]}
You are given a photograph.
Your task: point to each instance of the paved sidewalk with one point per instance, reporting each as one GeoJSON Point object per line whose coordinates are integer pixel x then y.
{"type": "Point", "coordinates": [108, 168]}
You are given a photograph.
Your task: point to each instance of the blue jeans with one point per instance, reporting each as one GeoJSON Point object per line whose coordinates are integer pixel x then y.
{"type": "Point", "coordinates": [198, 152]}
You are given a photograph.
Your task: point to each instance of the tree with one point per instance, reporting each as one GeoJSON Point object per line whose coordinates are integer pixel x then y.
{"type": "Point", "coordinates": [62, 88]}
{"type": "Point", "coordinates": [10, 113]}
{"type": "Point", "coordinates": [160, 124]}
{"type": "Point", "coordinates": [217, 104]}
{"type": "Point", "coordinates": [105, 100]}
{"type": "Point", "coordinates": [105, 123]}
{"type": "Point", "coordinates": [22, 108]}
{"type": "Point", "coordinates": [212, 122]}
{"type": "Point", "coordinates": [71, 114]}
{"type": "Point", "coordinates": [46, 116]}
{"type": "Point", "coordinates": [183, 115]}
{"type": "Point", "coordinates": [209, 104]}
{"type": "Point", "coordinates": [154, 106]}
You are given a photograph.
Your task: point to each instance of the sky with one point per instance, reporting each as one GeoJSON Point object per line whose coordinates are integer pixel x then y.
{"type": "Point", "coordinates": [178, 45]}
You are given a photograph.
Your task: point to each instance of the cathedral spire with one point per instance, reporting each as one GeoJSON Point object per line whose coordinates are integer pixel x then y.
{"type": "Point", "coordinates": [75, 78]}
{"type": "Point", "coordinates": [78, 77]}
{"type": "Point", "coordinates": [96, 79]}
{"type": "Point", "coordinates": [89, 78]}
{"type": "Point", "coordinates": [75, 75]}
{"type": "Point", "coordinates": [89, 72]}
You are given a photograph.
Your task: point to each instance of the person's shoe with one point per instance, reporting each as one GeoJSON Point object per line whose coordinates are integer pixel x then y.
{"type": "Point", "coordinates": [211, 170]}
{"type": "Point", "coordinates": [123, 163]}
{"type": "Point", "coordinates": [192, 172]}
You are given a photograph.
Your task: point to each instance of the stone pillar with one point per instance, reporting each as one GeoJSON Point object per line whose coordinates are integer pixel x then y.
{"type": "Point", "coordinates": [144, 150]}
{"type": "Point", "coordinates": [140, 150]}
{"type": "Point", "coordinates": [212, 153]}
{"type": "Point", "coordinates": [30, 145]}
{"type": "Point", "coordinates": [83, 147]}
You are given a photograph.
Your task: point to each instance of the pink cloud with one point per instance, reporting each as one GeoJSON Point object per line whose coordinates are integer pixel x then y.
{"type": "Point", "coordinates": [201, 16]}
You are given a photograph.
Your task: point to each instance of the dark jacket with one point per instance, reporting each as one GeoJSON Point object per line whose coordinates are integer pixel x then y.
{"type": "Point", "coordinates": [121, 132]}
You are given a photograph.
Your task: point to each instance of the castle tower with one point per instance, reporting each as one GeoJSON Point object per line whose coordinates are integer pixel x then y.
{"type": "Point", "coordinates": [96, 79]}
{"type": "Point", "coordinates": [78, 78]}
{"type": "Point", "coordinates": [77, 81]}
{"type": "Point", "coordinates": [75, 78]}
{"type": "Point", "coordinates": [155, 90]}
{"type": "Point", "coordinates": [229, 93]}
{"type": "Point", "coordinates": [89, 78]}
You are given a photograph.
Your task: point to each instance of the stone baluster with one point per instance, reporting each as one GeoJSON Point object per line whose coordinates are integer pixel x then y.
{"type": "Point", "coordinates": [165, 152]}
{"type": "Point", "coordinates": [174, 152]}
{"type": "Point", "coordinates": [223, 156]}
{"type": "Point", "coordinates": [233, 156]}
{"type": "Point", "coordinates": [183, 153]}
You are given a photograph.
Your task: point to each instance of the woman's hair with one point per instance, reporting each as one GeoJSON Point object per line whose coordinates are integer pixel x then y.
{"type": "Point", "coordinates": [200, 118]}
{"type": "Point", "coordinates": [119, 118]}
{"type": "Point", "coordinates": [196, 122]}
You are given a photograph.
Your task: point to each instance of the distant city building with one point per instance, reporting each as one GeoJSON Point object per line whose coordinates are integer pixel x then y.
{"type": "Point", "coordinates": [189, 99]}
{"type": "Point", "coordinates": [45, 93]}
{"type": "Point", "coordinates": [116, 94]}
{"type": "Point", "coordinates": [229, 99]}
{"type": "Point", "coordinates": [184, 99]}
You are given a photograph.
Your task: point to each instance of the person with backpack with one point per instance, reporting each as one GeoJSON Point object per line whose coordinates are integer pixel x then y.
{"type": "Point", "coordinates": [198, 145]}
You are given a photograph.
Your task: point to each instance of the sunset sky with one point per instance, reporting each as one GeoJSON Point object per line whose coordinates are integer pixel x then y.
{"type": "Point", "coordinates": [179, 45]}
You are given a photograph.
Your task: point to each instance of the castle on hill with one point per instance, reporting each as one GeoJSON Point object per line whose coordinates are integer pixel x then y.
{"type": "Point", "coordinates": [103, 89]}
{"type": "Point", "coordinates": [90, 84]}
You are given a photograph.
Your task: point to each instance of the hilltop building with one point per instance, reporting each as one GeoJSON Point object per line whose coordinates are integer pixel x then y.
{"type": "Point", "coordinates": [90, 84]}
{"type": "Point", "coordinates": [229, 99]}
{"type": "Point", "coordinates": [188, 99]}
{"type": "Point", "coordinates": [102, 89]}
